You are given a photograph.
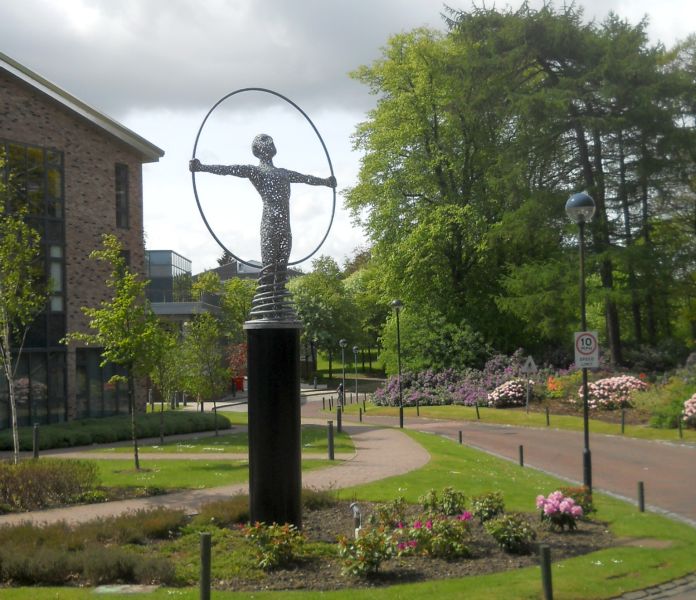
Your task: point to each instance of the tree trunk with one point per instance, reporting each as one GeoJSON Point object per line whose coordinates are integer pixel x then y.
{"type": "Point", "coordinates": [131, 402]}
{"type": "Point", "coordinates": [9, 375]}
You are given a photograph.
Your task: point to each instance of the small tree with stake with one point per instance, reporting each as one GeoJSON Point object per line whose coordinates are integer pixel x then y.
{"type": "Point", "coordinates": [126, 328]}
{"type": "Point", "coordinates": [22, 294]}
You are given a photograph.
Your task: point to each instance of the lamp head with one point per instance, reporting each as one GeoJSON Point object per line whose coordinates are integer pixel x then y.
{"type": "Point", "coordinates": [580, 208]}
{"type": "Point", "coordinates": [342, 343]}
{"type": "Point", "coordinates": [397, 305]}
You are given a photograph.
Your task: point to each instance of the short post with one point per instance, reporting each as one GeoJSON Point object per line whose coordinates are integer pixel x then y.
{"type": "Point", "coordinates": [679, 424]}
{"type": "Point", "coordinates": [623, 420]}
{"type": "Point", "coordinates": [339, 423]}
{"type": "Point", "coordinates": [521, 455]}
{"type": "Point", "coordinates": [330, 403]}
{"type": "Point", "coordinates": [548, 420]}
{"type": "Point", "coordinates": [364, 408]}
{"type": "Point", "coordinates": [315, 383]}
{"type": "Point", "coordinates": [323, 403]}
{"type": "Point", "coordinates": [205, 567]}
{"type": "Point", "coordinates": [35, 440]}
{"type": "Point", "coordinates": [460, 436]}
{"type": "Point", "coordinates": [478, 415]}
{"type": "Point", "coordinates": [641, 496]}
{"type": "Point", "coordinates": [150, 400]}
{"type": "Point", "coordinates": [546, 583]}
{"type": "Point", "coordinates": [330, 433]}
{"type": "Point", "coordinates": [360, 413]}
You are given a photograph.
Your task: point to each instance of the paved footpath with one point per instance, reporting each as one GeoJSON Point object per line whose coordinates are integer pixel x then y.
{"type": "Point", "coordinates": [372, 461]}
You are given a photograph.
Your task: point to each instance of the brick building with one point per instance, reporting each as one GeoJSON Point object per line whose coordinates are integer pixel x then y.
{"type": "Point", "coordinates": [81, 173]}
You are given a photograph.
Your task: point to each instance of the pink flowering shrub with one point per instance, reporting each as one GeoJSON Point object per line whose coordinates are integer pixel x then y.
{"type": "Point", "coordinates": [612, 392]}
{"type": "Point", "coordinates": [561, 511]}
{"type": "Point", "coordinates": [510, 393]}
{"type": "Point", "coordinates": [690, 411]}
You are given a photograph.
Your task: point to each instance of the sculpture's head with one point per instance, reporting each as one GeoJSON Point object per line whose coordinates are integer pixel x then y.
{"type": "Point", "coordinates": [263, 147]}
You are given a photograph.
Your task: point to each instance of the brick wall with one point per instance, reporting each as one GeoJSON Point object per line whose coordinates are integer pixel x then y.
{"type": "Point", "coordinates": [90, 155]}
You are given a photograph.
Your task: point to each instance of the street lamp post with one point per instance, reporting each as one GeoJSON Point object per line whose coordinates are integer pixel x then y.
{"type": "Point", "coordinates": [355, 363]}
{"type": "Point", "coordinates": [580, 208]}
{"type": "Point", "coordinates": [343, 343]}
{"type": "Point", "coordinates": [397, 305]}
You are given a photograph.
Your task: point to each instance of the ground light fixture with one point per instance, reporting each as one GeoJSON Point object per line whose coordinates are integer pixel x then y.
{"type": "Point", "coordinates": [580, 209]}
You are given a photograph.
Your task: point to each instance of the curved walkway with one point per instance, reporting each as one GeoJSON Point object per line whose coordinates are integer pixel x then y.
{"type": "Point", "coordinates": [372, 461]}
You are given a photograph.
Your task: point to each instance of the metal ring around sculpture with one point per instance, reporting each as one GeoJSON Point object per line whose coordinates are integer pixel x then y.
{"type": "Point", "coordinates": [323, 145]}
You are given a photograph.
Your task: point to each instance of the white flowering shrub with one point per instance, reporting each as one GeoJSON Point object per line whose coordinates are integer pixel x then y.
{"type": "Point", "coordinates": [612, 392]}
{"type": "Point", "coordinates": [690, 411]}
{"type": "Point", "coordinates": [510, 393]}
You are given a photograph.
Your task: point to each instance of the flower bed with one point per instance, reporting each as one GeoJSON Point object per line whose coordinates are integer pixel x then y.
{"type": "Point", "coordinates": [689, 416]}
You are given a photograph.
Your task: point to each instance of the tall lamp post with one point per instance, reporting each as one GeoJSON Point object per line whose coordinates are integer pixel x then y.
{"type": "Point", "coordinates": [397, 305]}
{"type": "Point", "coordinates": [355, 363]}
{"type": "Point", "coordinates": [343, 343]}
{"type": "Point", "coordinates": [580, 208]}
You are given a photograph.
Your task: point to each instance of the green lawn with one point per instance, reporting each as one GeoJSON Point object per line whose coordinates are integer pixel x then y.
{"type": "Point", "coordinates": [189, 474]}
{"type": "Point", "coordinates": [520, 418]}
{"type": "Point", "coordinates": [314, 440]}
{"type": "Point", "coordinates": [598, 575]}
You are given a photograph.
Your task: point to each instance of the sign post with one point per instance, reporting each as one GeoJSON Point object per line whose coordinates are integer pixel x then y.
{"type": "Point", "coordinates": [528, 368]}
{"type": "Point", "coordinates": [586, 350]}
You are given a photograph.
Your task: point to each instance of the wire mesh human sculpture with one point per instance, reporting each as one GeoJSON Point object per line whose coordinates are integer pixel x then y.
{"type": "Point", "coordinates": [272, 300]}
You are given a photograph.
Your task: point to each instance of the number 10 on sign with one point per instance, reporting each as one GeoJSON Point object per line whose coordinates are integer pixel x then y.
{"type": "Point", "coordinates": [586, 350]}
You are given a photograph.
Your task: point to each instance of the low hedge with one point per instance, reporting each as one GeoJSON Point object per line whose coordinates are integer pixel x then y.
{"type": "Point", "coordinates": [85, 432]}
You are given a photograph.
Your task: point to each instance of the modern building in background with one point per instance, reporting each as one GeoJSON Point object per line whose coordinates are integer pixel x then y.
{"type": "Point", "coordinates": [80, 172]}
{"type": "Point", "coordinates": [169, 274]}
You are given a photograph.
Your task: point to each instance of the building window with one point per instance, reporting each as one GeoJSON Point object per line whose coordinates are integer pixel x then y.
{"type": "Point", "coordinates": [122, 216]}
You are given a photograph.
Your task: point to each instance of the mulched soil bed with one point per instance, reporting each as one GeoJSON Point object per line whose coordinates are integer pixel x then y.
{"type": "Point", "coordinates": [325, 574]}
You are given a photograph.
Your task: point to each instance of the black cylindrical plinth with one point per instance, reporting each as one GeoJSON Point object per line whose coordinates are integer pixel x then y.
{"type": "Point", "coordinates": [275, 477]}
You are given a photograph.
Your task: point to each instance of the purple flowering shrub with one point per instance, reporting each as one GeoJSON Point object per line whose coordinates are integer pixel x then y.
{"type": "Point", "coordinates": [559, 510]}
{"type": "Point", "coordinates": [438, 537]}
{"type": "Point", "coordinates": [468, 387]}
{"type": "Point", "coordinates": [612, 392]}
{"type": "Point", "coordinates": [690, 411]}
{"type": "Point", "coordinates": [510, 393]}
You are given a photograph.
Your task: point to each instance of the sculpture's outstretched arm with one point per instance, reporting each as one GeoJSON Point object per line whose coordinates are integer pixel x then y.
{"type": "Point", "coordinates": [246, 171]}
{"type": "Point", "coordinates": [296, 177]}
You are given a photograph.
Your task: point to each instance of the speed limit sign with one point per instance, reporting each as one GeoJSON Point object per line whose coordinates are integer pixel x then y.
{"type": "Point", "coordinates": [586, 350]}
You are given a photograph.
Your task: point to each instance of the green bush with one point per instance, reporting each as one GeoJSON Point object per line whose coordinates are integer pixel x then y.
{"type": "Point", "coordinates": [108, 430]}
{"type": "Point", "coordinates": [317, 499]}
{"type": "Point", "coordinates": [32, 484]}
{"type": "Point", "coordinates": [487, 506]}
{"type": "Point", "coordinates": [275, 545]}
{"type": "Point", "coordinates": [362, 557]}
{"type": "Point", "coordinates": [448, 502]}
{"type": "Point", "coordinates": [389, 514]}
{"type": "Point", "coordinates": [513, 533]}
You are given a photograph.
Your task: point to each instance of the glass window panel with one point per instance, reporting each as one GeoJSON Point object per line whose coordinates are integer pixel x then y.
{"type": "Point", "coordinates": [56, 388]}
{"type": "Point", "coordinates": [56, 251]}
{"type": "Point", "coordinates": [56, 276]}
{"type": "Point", "coordinates": [82, 391]}
{"type": "Point", "coordinates": [22, 398]}
{"type": "Point", "coordinates": [57, 304]}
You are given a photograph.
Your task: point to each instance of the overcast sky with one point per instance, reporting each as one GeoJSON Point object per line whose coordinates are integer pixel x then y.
{"type": "Point", "coordinates": [158, 66]}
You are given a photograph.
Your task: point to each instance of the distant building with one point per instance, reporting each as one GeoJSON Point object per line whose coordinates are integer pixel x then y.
{"type": "Point", "coordinates": [169, 288]}
{"type": "Point", "coordinates": [81, 174]}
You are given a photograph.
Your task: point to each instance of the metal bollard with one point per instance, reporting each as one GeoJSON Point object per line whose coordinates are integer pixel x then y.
{"type": "Point", "coordinates": [623, 420]}
{"type": "Point", "coordinates": [323, 403]}
{"type": "Point", "coordinates": [679, 424]}
{"type": "Point", "coordinates": [339, 418]}
{"type": "Point", "coordinates": [548, 420]}
{"type": "Point", "coordinates": [478, 415]}
{"type": "Point", "coordinates": [460, 436]}
{"type": "Point", "coordinates": [330, 433]}
{"type": "Point", "coordinates": [364, 407]}
{"type": "Point", "coordinates": [205, 567]}
{"type": "Point", "coordinates": [360, 414]}
{"type": "Point", "coordinates": [35, 441]}
{"type": "Point", "coordinates": [546, 583]}
{"type": "Point", "coordinates": [521, 455]}
{"type": "Point", "coordinates": [641, 496]}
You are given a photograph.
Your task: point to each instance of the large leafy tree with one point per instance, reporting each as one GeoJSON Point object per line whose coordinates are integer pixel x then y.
{"type": "Point", "coordinates": [478, 137]}
{"type": "Point", "coordinates": [124, 326]}
{"type": "Point", "coordinates": [325, 306]}
{"type": "Point", "coordinates": [22, 293]}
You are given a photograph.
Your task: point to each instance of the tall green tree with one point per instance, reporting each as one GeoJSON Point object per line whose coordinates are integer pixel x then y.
{"type": "Point", "coordinates": [123, 327]}
{"type": "Point", "coordinates": [22, 293]}
{"type": "Point", "coordinates": [324, 306]}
